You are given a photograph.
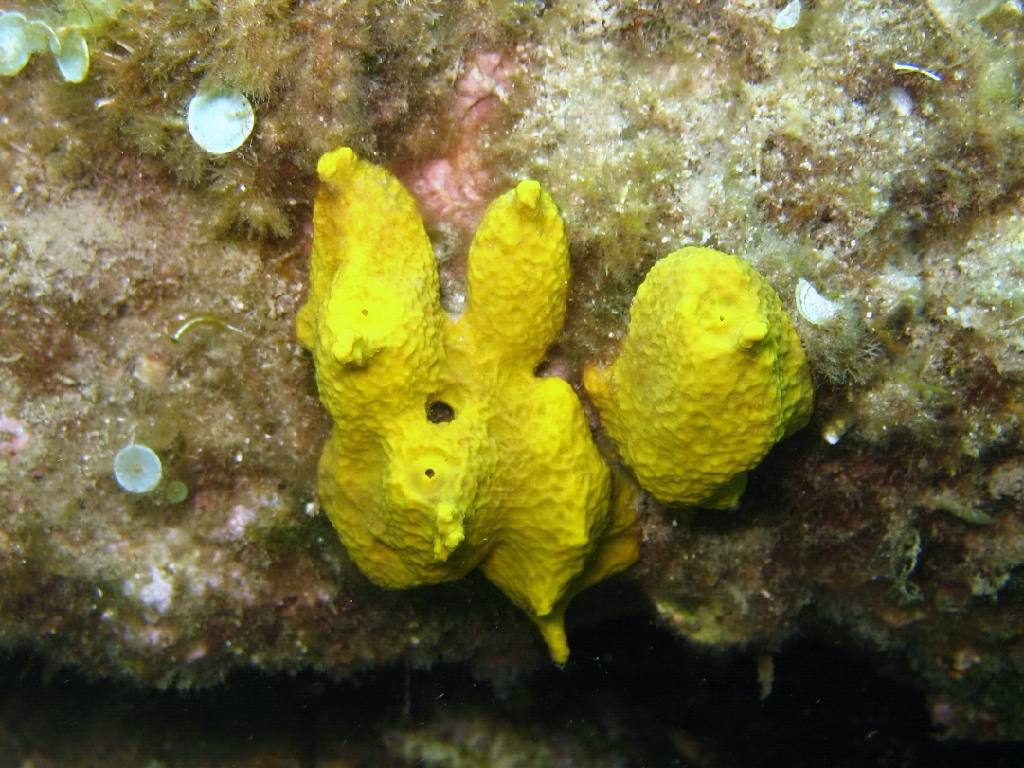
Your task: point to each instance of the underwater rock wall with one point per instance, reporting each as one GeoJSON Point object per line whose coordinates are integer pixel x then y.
{"type": "Point", "coordinates": [870, 150]}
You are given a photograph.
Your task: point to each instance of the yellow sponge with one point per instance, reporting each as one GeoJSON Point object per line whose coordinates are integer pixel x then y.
{"type": "Point", "coordinates": [710, 376]}
{"type": "Point", "coordinates": [447, 452]}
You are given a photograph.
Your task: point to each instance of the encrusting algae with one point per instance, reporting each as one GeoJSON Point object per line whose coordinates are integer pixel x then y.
{"type": "Point", "coordinates": [447, 452]}
{"type": "Point", "coordinates": [710, 376]}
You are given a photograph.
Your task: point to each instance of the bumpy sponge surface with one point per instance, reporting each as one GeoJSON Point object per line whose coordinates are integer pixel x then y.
{"type": "Point", "coordinates": [447, 452]}
{"type": "Point", "coordinates": [709, 377]}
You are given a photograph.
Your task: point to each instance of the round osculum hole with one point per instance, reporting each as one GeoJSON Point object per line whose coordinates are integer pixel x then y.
{"type": "Point", "coordinates": [439, 412]}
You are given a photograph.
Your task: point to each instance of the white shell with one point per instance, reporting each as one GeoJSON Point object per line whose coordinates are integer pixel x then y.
{"type": "Point", "coordinates": [16, 46]}
{"type": "Point", "coordinates": [834, 431]}
{"type": "Point", "coordinates": [901, 100]}
{"type": "Point", "coordinates": [813, 307]}
{"type": "Point", "coordinates": [72, 56]}
{"type": "Point", "coordinates": [220, 121]}
{"type": "Point", "coordinates": [789, 16]}
{"type": "Point", "coordinates": [137, 469]}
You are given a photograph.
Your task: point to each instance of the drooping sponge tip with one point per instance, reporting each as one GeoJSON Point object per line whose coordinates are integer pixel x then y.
{"type": "Point", "coordinates": [552, 629]}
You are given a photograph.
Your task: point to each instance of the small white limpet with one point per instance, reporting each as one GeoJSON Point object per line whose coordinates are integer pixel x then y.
{"type": "Point", "coordinates": [220, 121]}
{"type": "Point", "coordinates": [789, 16]}
{"type": "Point", "coordinates": [137, 468]}
{"type": "Point", "coordinates": [834, 430]}
{"type": "Point", "coordinates": [813, 307]}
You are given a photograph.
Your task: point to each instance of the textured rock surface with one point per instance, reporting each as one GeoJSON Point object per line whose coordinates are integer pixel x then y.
{"type": "Point", "coordinates": [871, 150]}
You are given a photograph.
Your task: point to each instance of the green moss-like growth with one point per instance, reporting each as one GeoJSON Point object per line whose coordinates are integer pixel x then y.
{"type": "Point", "coordinates": [375, 76]}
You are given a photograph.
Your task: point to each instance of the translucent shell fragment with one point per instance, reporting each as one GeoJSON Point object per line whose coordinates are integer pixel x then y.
{"type": "Point", "coordinates": [20, 38]}
{"type": "Point", "coordinates": [815, 308]}
{"type": "Point", "coordinates": [447, 452]}
{"type": "Point", "coordinates": [17, 44]}
{"type": "Point", "coordinates": [220, 121]}
{"type": "Point", "coordinates": [709, 377]}
{"type": "Point", "coordinates": [137, 468]}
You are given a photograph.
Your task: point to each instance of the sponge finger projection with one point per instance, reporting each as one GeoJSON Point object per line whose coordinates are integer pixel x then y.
{"type": "Point", "coordinates": [447, 452]}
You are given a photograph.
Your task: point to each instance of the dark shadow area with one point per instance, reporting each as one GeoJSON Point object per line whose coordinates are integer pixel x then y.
{"type": "Point", "coordinates": [630, 690]}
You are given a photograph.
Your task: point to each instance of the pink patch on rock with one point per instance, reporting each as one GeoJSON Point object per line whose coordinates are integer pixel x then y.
{"type": "Point", "coordinates": [241, 517]}
{"type": "Point", "coordinates": [13, 436]}
{"type": "Point", "coordinates": [456, 188]}
{"type": "Point", "coordinates": [453, 190]}
{"type": "Point", "coordinates": [483, 88]}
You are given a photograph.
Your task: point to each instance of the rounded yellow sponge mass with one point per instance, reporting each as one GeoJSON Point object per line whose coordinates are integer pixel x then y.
{"type": "Point", "coordinates": [710, 376]}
